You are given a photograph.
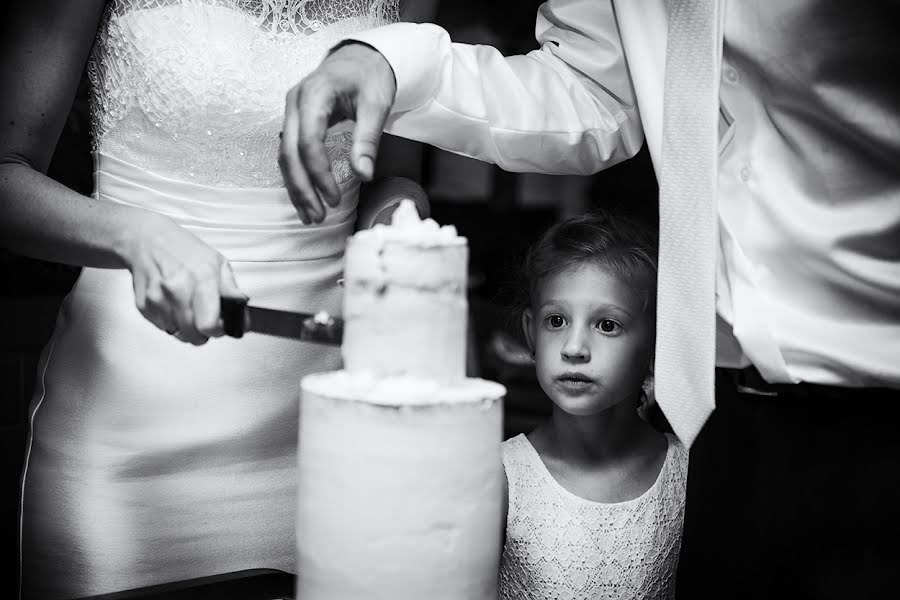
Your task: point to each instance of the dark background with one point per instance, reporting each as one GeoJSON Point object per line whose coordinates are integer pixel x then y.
{"type": "Point", "coordinates": [500, 213]}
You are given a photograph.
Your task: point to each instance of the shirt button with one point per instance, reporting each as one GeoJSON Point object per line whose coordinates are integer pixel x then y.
{"type": "Point", "coordinates": [731, 75]}
{"type": "Point", "coordinates": [745, 173]}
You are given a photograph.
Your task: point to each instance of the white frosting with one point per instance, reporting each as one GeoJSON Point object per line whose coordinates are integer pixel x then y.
{"type": "Point", "coordinates": [398, 504]}
{"type": "Point", "coordinates": [400, 477]}
{"type": "Point", "coordinates": [322, 318]}
{"type": "Point", "coordinates": [404, 390]}
{"type": "Point", "coordinates": [407, 227]}
{"type": "Point", "coordinates": [405, 305]}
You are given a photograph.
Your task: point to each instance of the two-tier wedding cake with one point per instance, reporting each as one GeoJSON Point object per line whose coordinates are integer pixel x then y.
{"type": "Point", "coordinates": [400, 476]}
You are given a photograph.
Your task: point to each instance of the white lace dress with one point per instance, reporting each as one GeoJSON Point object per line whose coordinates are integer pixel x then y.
{"type": "Point", "coordinates": [563, 547]}
{"type": "Point", "coordinates": [150, 460]}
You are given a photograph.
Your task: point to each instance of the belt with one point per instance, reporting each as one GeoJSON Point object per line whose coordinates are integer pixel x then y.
{"type": "Point", "coordinates": [749, 381]}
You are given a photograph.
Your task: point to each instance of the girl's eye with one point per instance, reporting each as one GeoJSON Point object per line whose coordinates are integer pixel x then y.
{"type": "Point", "coordinates": [607, 326]}
{"type": "Point", "coordinates": [555, 321]}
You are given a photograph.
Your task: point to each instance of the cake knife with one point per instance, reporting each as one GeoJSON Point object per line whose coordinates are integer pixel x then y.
{"type": "Point", "coordinates": [238, 318]}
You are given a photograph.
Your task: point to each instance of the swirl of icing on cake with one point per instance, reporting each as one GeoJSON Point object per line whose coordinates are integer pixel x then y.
{"type": "Point", "coordinates": [409, 228]}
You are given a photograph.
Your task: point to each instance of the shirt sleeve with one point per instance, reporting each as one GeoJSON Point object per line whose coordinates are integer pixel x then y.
{"type": "Point", "coordinates": [566, 108]}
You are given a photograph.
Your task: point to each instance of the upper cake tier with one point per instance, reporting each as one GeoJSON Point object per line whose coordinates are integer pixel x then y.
{"type": "Point", "coordinates": [405, 304]}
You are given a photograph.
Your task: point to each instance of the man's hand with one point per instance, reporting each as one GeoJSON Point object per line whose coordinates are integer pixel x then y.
{"type": "Point", "coordinates": [354, 82]}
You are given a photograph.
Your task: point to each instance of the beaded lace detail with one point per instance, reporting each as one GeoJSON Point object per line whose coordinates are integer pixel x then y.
{"type": "Point", "coordinates": [195, 89]}
{"type": "Point", "coordinates": [563, 547]}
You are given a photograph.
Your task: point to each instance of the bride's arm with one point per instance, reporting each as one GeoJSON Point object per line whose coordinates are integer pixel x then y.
{"type": "Point", "coordinates": [178, 280]}
{"type": "Point", "coordinates": [43, 48]}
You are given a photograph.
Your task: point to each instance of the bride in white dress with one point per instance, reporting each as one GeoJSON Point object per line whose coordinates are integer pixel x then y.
{"type": "Point", "coordinates": [150, 459]}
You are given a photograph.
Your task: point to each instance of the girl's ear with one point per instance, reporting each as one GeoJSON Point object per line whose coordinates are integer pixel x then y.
{"type": "Point", "coordinates": [648, 385]}
{"type": "Point", "coordinates": [527, 322]}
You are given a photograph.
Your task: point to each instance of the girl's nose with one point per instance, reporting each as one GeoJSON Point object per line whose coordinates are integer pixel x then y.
{"type": "Point", "coordinates": [576, 348]}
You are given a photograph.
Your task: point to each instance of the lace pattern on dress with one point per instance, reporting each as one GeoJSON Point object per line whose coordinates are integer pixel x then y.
{"type": "Point", "coordinates": [195, 89]}
{"type": "Point", "coordinates": [563, 547]}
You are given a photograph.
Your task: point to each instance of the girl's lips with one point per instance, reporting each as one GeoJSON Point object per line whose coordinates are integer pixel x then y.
{"type": "Point", "coordinates": [573, 376]}
{"type": "Point", "coordinates": [574, 382]}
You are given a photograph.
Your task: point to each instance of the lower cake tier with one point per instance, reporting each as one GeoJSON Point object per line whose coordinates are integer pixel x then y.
{"type": "Point", "coordinates": [400, 488]}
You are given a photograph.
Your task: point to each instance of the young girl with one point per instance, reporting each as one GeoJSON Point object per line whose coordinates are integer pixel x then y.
{"type": "Point", "coordinates": [596, 494]}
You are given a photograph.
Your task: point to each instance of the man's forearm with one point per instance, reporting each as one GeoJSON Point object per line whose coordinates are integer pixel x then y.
{"type": "Point", "coordinates": [567, 108]}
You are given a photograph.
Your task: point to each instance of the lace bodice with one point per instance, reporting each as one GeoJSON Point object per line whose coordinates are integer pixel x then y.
{"type": "Point", "coordinates": [195, 89]}
{"type": "Point", "coordinates": [563, 547]}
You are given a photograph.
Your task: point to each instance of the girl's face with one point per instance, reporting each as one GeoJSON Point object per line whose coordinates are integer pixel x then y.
{"type": "Point", "coordinates": [592, 337]}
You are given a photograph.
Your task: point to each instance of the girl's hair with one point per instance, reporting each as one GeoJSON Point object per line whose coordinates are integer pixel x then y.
{"type": "Point", "coordinates": [624, 245]}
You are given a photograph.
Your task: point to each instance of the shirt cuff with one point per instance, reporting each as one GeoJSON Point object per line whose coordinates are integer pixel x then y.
{"type": "Point", "coordinates": [414, 51]}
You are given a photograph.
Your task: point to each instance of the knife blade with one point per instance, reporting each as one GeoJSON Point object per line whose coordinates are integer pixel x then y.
{"type": "Point", "coordinates": [239, 317]}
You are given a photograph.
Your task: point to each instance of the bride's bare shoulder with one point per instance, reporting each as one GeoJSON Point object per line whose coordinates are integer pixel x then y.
{"type": "Point", "coordinates": [44, 45]}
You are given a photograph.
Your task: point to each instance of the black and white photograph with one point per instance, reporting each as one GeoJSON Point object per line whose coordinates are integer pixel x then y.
{"type": "Point", "coordinates": [433, 300]}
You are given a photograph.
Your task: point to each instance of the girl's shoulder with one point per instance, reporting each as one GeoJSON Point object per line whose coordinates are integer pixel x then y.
{"type": "Point", "coordinates": [676, 465]}
{"type": "Point", "coordinates": [524, 469]}
{"type": "Point", "coordinates": [514, 444]}
{"type": "Point", "coordinates": [677, 451]}
{"type": "Point", "coordinates": [518, 453]}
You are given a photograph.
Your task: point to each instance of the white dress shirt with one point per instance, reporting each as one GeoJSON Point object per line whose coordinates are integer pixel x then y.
{"type": "Point", "coordinates": [808, 282]}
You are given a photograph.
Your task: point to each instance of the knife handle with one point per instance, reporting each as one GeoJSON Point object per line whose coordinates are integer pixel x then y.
{"type": "Point", "coordinates": [234, 316]}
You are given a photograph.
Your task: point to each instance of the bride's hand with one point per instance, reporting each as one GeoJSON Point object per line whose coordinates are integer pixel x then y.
{"type": "Point", "coordinates": [178, 280]}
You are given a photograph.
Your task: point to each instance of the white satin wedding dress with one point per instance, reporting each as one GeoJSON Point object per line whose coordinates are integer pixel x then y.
{"type": "Point", "coordinates": [150, 460]}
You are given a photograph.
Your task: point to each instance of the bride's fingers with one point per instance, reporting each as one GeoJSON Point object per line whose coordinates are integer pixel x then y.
{"type": "Point", "coordinates": [298, 185]}
{"type": "Point", "coordinates": [187, 332]}
{"type": "Point", "coordinates": [186, 329]}
{"type": "Point", "coordinates": [156, 306]}
{"type": "Point", "coordinates": [205, 305]}
{"type": "Point", "coordinates": [148, 299]}
{"type": "Point", "coordinates": [178, 289]}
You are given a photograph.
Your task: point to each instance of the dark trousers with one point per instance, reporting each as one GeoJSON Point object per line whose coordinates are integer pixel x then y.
{"type": "Point", "coordinates": [794, 495]}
